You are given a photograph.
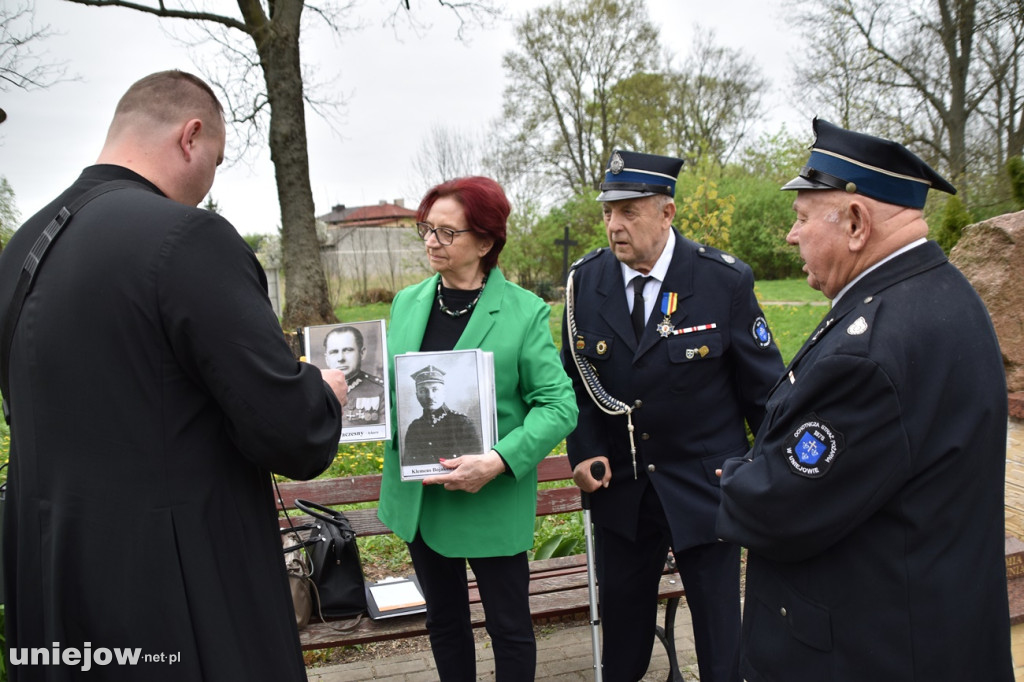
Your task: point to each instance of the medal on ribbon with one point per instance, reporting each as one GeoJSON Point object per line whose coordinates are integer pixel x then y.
{"type": "Point", "coordinates": [669, 300]}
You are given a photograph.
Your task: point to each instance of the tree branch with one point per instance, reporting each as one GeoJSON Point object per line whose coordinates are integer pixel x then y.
{"type": "Point", "coordinates": [163, 11]}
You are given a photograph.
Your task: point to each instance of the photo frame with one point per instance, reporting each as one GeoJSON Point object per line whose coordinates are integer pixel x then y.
{"type": "Point", "coordinates": [445, 407]}
{"type": "Point", "coordinates": [360, 349]}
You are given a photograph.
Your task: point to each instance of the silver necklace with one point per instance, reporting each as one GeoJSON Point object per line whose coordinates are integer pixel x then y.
{"type": "Point", "coordinates": [458, 313]}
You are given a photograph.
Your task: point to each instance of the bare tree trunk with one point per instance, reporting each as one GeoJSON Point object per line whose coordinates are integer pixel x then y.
{"type": "Point", "coordinates": [278, 46]}
{"type": "Point", "coordinates": [956, 32]}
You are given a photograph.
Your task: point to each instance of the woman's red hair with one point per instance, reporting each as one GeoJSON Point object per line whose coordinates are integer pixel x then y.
{"type": "Point", "coordinates": [485, 205]}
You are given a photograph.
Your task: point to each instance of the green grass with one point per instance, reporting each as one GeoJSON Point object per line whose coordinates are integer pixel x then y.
{"type": "Point", "coordinates": [789, 290]}
{"type": "Point", "coordinates": [792, 324]}
{"type": "Point", "coordinates": [371, 311]}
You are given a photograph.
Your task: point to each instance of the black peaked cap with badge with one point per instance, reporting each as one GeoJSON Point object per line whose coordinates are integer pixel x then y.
{"type": "Point", "coordinates": [632, 175]}
{"type": "Point", "coordinates": [863, 164]}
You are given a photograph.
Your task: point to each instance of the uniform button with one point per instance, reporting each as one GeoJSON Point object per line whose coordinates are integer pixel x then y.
{"type": "Point", "coordinates": [638, 404]}
{"type": "Point", "coordinates": [702, 249]}
{"type": "Point", "coordinates": [645, 436]}
{"type": "Point", "coordinates": [650, 467]}
{"type": "Point", "coordinates": [869, 299]}
{"type": "Point", "coordinates": [782, 612]}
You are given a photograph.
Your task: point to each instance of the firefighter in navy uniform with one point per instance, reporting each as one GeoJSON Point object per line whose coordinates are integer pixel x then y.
{"type": "Point", "coordinates": [871, 505]}
{"type": "Point", "coordinates": [695, 375]}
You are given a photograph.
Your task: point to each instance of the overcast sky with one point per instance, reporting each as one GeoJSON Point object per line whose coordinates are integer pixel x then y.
{"type": "Point", "coordinates": [397, 87]}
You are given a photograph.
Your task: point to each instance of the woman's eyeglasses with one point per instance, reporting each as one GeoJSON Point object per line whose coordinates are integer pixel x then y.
{"type": "Point", "coordinates": [444, 235]}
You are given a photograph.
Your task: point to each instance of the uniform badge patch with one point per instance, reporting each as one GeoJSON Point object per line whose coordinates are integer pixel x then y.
{"type": "Point", "coordinates": [859, 326]}
{"type": "Point", "coordinates": [760, 332]}
{"type": "Point", "coordinates": [812, 448]}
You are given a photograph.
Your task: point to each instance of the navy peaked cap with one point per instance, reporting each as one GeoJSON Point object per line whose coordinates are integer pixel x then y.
{"type": "Point", "coordinates": [872, 166]}
{"type": "Point", "coordinates": [630, 175]}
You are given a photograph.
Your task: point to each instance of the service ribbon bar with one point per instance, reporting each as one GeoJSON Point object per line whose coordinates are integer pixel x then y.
{"type": "Point", "coordinates": [697, 328]}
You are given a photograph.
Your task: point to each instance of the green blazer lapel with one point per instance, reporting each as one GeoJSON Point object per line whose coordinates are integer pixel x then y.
{"type": "Point", "coordinates": [415, 314]}
{"type": "Point", "coordinates": [482, 319]}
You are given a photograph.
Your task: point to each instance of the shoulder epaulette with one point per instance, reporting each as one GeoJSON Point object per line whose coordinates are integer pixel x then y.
{"type": "Point", "coordinates": [587, 257]}
{"type": "Point", "coordinates": [713, 254]}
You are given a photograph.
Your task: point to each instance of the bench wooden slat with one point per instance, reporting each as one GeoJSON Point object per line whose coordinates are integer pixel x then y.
{"type": "Point", "coordinates": [554, 469]}
{"type": "Point", "coordinates": [355, 489]}
{"type": "Point", "coordinates": [364, 521]}
{"type": "Point", "coordinates": [558, 501]}
{"type": "Point", "coordinates": [331, 491]}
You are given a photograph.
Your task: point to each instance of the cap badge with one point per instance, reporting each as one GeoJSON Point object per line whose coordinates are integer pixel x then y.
{"type": "Point", "coordinates": [616, 164]}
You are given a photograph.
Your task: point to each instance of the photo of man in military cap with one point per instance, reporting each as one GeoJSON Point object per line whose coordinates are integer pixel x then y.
{"type": "Point", "coordinates": [440, 432]}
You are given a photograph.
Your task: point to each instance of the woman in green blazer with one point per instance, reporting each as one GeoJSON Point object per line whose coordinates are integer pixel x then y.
{"type": "Point", "coordinates": [483, 509]}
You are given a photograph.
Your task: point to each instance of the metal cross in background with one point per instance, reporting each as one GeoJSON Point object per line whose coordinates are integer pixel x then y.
{"type": "Point", "coordinates": [565, 243]}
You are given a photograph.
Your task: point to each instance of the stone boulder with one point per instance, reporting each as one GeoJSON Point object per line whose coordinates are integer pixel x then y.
{"type": "Point", "coordinates": [991, 256]}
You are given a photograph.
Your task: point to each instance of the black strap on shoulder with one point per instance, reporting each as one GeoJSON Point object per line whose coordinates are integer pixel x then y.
{"type": "Point", "coordinates": [31, 267]}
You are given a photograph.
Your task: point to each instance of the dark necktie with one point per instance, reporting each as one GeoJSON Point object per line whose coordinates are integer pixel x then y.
{"type": "Point", "coordinates": [639, 319]}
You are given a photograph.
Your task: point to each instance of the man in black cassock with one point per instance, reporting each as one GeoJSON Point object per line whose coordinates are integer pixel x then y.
{"type": "Point", "coordinates": [140, 512]}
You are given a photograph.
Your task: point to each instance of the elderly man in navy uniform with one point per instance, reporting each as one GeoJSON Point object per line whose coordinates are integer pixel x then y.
{"type": "Point", "coordinates": [670, 332]}
{"type": "Point", "coordinates": [345, 349]}
{"type": "Point", "coordinates": [440, 432]}
{"type": "Point", "coordinates": [872, 502]}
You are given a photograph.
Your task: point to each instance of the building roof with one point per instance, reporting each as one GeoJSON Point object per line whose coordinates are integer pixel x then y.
{"type": "Point", "coordinates": [383, 213]}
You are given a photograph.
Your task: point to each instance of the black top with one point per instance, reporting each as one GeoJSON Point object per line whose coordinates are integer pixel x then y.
{"type": "Point", "coordinates": [443, 331]}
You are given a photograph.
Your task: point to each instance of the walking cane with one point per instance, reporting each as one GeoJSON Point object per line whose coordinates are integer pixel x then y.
{"type": "Point", "coordinates": [597, 471]}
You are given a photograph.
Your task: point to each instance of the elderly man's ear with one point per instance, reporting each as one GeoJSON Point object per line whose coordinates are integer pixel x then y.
{"type": "Point", "coordinates": [860, 226]}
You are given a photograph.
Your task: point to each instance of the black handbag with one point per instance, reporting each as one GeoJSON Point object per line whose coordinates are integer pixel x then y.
{"type": "Point", "coordinates": [337, 572]}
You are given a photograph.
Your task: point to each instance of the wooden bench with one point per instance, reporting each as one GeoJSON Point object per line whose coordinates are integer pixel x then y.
{"type": "Point", "coordinates": [558, 587]}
